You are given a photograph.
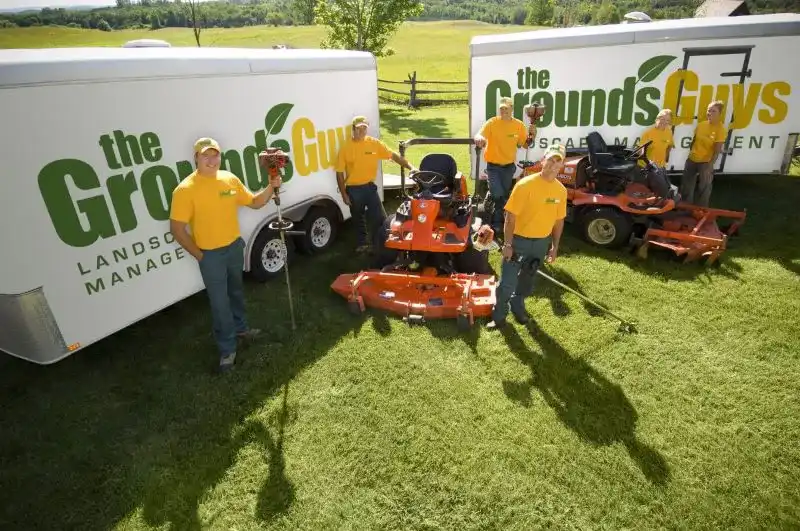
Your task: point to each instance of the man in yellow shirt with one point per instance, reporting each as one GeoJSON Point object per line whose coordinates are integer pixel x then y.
{"type": "Point", "coordinates": [356, 169]}
{"type": "Point", "coordinates": [207, 201]}
{"type": "Point", "coordinates": [661, 136]}
{"type": "Point", "coordinates": [534, 222]}
{"type": "Point", "coordinates": [501, 135]}
{"type": "Point", "coordinates": [709, 138]}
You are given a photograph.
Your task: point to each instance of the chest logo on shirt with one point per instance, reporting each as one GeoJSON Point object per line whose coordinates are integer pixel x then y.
{"type": "Point", "coordinates": [552, 200]}
{"type": "Point", "coordinates": [227, 193]}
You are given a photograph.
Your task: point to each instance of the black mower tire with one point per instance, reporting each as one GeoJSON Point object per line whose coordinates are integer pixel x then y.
{"type": "Point", "coordinates": [383, 255]}
{"type": "Point", "coordinates": [618, 225]}
{"type": "Point", "coordinates": [265, 263]}
{"type": "Point", "coordinates": [472, 261]}
{"type": "Point", "coordinates": [320, 225]}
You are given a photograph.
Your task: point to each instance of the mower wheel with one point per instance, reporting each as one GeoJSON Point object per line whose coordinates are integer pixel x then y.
{"type": "Point", "coordinates": [462, 321]}
{"type": "Point", "coordinates": [383, 255]}
{"type": "Point", "coordinates": [319, 225]}
{"type": "Point", "coordinates": [606, 227]}
{"type": "Point", "coordinates": [269, 255]}
{"type": "Point", "coordinates": [473, 261]}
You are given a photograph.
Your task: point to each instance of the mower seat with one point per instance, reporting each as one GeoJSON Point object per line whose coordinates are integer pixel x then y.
{"type": "Point", "coordinates": [609, 161]}
{"type": "Point", "coordinates": [444, 164]}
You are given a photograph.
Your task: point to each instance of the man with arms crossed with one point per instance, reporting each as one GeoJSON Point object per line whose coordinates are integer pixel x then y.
{"type": "Point", "coordinates": [698, 173]}
{"type": "Point", "coordinates": [502, 135]}
{"type": "Point", "coordinates": [208, 201]}
{"type": "Point", "coordinates": [356, 169]}
{"type": "Point", "coordinates": [534, 221]}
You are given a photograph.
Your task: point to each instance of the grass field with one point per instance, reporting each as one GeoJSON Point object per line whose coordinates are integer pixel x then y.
{"type": "Point", "coordinates": [691, 423]}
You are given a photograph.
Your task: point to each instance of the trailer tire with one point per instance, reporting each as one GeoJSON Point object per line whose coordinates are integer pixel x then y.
{"type": "Point", "coordinates": [320, 227]}
{"type": "Point", "coordinates": [266, 261]}
{"type": "Point", "coordinates": [606, 227]}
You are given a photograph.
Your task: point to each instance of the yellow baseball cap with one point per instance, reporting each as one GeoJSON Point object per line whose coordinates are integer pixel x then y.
{"type": "Point", "coordinates": [506, 102]}
{"type": "Point", "coordinates": [556, 150]}
{"type": "Point", "coordinates": [360, 121]}
{"type": "Point", "coordinates": [203, 144]}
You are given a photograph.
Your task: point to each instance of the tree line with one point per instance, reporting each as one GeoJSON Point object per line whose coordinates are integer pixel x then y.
{"type": "Point", "coordinates": [155, 14]}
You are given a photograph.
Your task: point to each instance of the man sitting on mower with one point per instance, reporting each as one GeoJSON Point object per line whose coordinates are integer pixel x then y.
{"type": "Point", "coordinates": [502, 135]}
{"type": "Point", "coordinates": [534, 220]}
{"type": "Point", "coordinates": [356, 169]}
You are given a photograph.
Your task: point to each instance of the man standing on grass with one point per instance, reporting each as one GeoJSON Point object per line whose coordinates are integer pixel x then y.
{"type": "Point", "coordinates": [356, 169]}
{"type": "Point", "coordinates": [698, 173]}
{"type": "Point", "coordinates": [502, 135]}
{"type": "Point", "coordinates": [207, 201]}
{"type": "Point", "coordinates": [534, 221]}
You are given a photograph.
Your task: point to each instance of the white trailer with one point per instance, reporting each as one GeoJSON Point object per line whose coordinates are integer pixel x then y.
{"type": "Point", "coordinates": [614, 79]}
{"type": "Point", "coordinates": [96, 139]}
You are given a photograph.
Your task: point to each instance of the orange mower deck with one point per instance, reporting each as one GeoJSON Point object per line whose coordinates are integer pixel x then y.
{"type": "Point", "coordinates": [419, 296]}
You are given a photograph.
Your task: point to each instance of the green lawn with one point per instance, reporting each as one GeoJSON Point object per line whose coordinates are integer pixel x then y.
{"type": "Point", "coordinates": [352, 423]}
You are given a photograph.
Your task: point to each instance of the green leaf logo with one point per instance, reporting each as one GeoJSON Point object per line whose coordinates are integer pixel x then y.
{"type": "Point", "coordinates": [276, 118]}
{"type": "Point", "coordinates": [651, 68]}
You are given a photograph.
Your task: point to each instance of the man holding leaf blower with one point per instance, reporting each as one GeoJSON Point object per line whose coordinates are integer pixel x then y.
{"type": "Point", "coordinates": [207, 201]}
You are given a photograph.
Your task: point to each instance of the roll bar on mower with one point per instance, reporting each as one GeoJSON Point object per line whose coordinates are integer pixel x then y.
{"type": "Point", "coordinates": [424, 141]}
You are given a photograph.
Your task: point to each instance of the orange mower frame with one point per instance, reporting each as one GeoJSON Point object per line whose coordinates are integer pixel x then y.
{"type": "Point", "coordinates": [432, 255]}
{"type": "Point", "coordinates": [615, 202]}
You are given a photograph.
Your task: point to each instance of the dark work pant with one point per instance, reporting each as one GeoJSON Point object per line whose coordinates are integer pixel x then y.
{"type": "Point", "coordinates": [696, 182]}
{"type": "Point", "coordinates": [517, 275]}
{"type": "Point", "coordinates": [501, 179]}
{"type": "Point", "coordinates": [222, 274]}
{"type": "Point", "coordinates": [365, 197]}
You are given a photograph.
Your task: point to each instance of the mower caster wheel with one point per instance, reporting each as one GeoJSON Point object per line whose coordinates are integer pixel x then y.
{"type": "Point", "coordinates": [462, 321]}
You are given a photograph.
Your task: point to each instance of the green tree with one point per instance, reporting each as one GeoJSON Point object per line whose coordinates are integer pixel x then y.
{"type": "Point", "coordinates": [607, 13]}
{"type": "Point", "coordinates": [365, 25]}
{"type": "Point", "coordinates": [540, 13]}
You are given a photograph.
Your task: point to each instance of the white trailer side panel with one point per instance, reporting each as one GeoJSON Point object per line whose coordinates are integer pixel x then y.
{"type": "Point", "coordinates": [91, 167]}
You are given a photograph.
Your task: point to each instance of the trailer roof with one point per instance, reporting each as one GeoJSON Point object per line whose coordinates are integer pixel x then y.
{"type": "Point", "coordinates": [657, 31]}
{"type": "Point", "coordinates": [70, 65]}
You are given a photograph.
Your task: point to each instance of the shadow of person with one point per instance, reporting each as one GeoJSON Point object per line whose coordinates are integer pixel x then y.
{"type": "Point", "coordinates": [586, 402]}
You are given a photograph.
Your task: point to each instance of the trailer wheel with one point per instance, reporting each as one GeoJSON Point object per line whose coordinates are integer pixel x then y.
{"type": "Point", "coordinates": [606, 227]}
{"type": "Point", "coordinates": [269, 255]}
{"type": "Point", "coordinates": [320, 226]}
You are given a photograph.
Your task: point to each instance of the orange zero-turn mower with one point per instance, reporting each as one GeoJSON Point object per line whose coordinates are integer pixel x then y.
{"type": "Point", "coordinates": [432, 253]}
{"type": "Point", "coordinates": [617, 201]}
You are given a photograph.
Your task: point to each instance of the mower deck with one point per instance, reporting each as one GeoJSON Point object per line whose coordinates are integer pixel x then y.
{"type": "Point", "coordinates": [419, 296]}
{"type": "Point", "coordinates": [692, 232]}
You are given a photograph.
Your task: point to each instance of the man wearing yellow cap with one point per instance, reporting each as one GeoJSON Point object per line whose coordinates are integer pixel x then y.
{"type": "Point", "coordinates": [502, 135]}
{"type": "Point", "coordinates": [534, 221]}
{"type": "Point", "coordinates": [356, 169]}
{"type": "Point", "coordinates": [207, 201]}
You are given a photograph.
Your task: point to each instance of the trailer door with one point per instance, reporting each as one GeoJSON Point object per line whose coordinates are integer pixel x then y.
{"type": "Point", "coordinates": [718, 69]}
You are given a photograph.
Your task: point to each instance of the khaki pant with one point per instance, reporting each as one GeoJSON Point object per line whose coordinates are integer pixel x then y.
{"type": "Point", "coordinates": [696, 182]}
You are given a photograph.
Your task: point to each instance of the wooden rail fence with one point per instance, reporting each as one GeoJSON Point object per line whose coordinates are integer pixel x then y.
{"type": "Point", "coordinates": [417, 97]}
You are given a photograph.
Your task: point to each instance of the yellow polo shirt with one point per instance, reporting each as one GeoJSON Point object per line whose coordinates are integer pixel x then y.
{"type": "Point", "coordinates": [537, 205]}
{"type": "Point", "coordinates": [359, 160]}
{"type": "Point", "coordinates": [210, 207]}
{"type": "Point", "coordinates": [503, 138]}
{"type": "Point", "coordinates": [705, 136]}
{"type": "Point", "coordinates": [662, 140]}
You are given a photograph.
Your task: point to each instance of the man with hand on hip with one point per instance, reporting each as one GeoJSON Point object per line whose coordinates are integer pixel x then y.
{"type": "Point", "coordinates": [502, 135]}
{"type": "Point", "coordinates": [534, 222]}
{"type": "Point", "coordinates": [356, 169]}
{"type": "Point", "coordinates": [207, 201]}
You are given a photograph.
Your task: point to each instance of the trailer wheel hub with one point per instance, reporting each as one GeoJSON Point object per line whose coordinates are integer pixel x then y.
{"type": "Point", "coordinates": [602, 231]}
{"type": "Point", "coordinates": [320, 232]}
{"type": "Point", "coordinates": [273, 255]}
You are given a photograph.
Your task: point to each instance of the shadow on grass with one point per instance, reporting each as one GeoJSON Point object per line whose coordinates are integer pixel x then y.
{"type": "Point", "coordinates": [395, 120]}
{"type": "Point", "coordinates": [586, 402]}
{"type": "Point", "coordinates": [769, 232]}
{"type": "Point", "coordinates": [138, 425]}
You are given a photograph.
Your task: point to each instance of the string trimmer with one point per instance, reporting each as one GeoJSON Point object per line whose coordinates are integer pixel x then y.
{"type": "Point", "coordinates": [534, 112]}
{"type": "Point", "coordinates": [274, 160]}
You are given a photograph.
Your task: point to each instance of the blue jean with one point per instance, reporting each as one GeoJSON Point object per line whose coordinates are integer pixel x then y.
{"type": "Point", "coordinates": [518, 274]}
{"type": "Point", "coordinates": [365, 197]}
{"type": "Point", "coordinates": [501, 179]}
{"type": "Point", "coordinates": [221, 269]}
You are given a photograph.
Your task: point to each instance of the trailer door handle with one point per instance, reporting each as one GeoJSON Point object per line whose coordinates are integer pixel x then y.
{"type": "Point", "coordinates": [746, 73]}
